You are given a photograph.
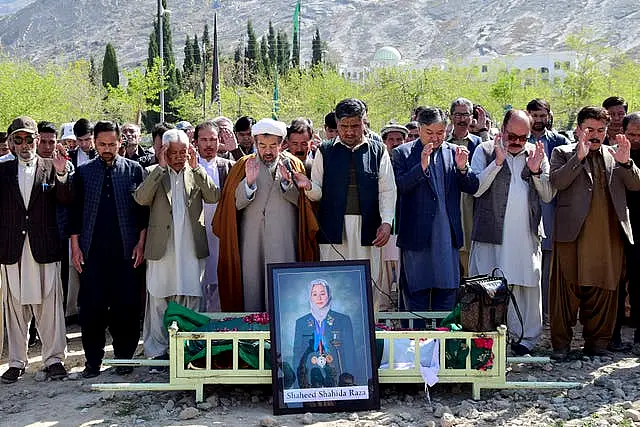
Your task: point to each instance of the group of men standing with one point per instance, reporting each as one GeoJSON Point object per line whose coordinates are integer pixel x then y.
{"type": "Point", "coordinates": [213, 204]}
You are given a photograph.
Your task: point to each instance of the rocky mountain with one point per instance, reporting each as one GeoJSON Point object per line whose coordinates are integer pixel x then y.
{"type": "Point", "coordinates": [422, 30]}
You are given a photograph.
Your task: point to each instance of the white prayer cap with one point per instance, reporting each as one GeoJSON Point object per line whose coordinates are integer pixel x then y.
{"type": "Point", "coordinates": [270, 127]}
{"type": "Point", "coordinates": [67, 131]}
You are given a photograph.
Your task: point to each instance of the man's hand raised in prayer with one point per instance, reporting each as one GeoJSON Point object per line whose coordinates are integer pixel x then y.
{"type": "Point", "coordinates": [162, 156]}
{"type": "Point", "coordinates": [534, 160]}
{"type": "Point", "coordinates": [623, 153]}
{"type": "Point", "coordinates": [60, 159]}
{"type": "Point", "coordinates": [462, 158]}
{"type": "Point", "coordinates": [584, 145]}
{"type": "Point", "coordinates": [425, 156]}
{"type": "Point", "coordinates": [251, 170]}
{"type": "Point", "coordinates": [501, 152]}
{"type": "Point", "coordinates": [192, 156]}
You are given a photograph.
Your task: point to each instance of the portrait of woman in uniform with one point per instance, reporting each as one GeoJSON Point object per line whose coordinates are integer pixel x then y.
{"type": "Point", "coordinates": [323, 353]}
{"type": "Point", "coordinates": [322, 336]}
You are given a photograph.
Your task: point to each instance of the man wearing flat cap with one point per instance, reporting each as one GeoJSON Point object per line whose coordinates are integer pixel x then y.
{"type": "Point", "coordinates": [274, 221]}
{"type": "Point", "coordinates": [31, 188]}
{"type": "Point", "coordinates": [393, 135]}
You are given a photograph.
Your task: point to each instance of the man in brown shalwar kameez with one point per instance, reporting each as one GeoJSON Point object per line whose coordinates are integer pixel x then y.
{"type": "Point", "coordinates": [592, 223]}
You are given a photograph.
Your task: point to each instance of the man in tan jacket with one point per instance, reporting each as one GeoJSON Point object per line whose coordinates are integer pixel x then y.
{"type": "Point", "coordinates": [176, 244]}
{"type": "Point", "coordinates": [591, 225]}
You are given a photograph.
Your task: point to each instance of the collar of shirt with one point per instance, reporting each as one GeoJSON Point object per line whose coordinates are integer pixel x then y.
{"type": "Point", "coordinates": [543, 138]}
{"type": "Point", "coordinates": [365, 140]}
{"type": "Point", "coordinates": [452, 138]}
{"type": "Point", "coordinates": [172, 172]}
{"type": "Point", "coordinates": [205, 162]}
{"type": "Point", "coordinates": [26, 164]}
{"type": "Point", "coordinates": [116, 160]}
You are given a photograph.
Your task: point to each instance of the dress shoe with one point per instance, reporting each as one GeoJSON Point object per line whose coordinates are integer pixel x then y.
{"type": "Point", "coordinates": [90, 372]}
{"type": "Point", "coordinates": [56, 371]}
{"type": "Point", "coordinates": [11, 375]}
{"type": "Point", "coordinates": [560, 355]}
{"type": "Point", "coordinates": [124, 370]}
{"type": "Point", "coordinates": [618, 346]}
{"type": "Point", "coordinates": [600, 352]}
{"type": "Point", "coordinates": [520, 350]}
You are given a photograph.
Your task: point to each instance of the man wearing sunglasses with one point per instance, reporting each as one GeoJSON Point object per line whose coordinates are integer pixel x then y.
{"type": "Point", "coordinates": [30, 249]}
{"type": "Point", "coordinates": [507, 222]}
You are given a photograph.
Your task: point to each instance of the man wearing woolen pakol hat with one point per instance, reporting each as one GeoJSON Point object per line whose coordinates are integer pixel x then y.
{"type": "Point", "coordinates": [276, 223]}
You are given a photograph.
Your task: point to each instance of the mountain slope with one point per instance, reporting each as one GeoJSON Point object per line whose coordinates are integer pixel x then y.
{"type": "Point", "coordinates": [421, 29]}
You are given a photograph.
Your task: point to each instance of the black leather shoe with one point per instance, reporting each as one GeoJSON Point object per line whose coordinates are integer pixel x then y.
{"type": "Point", "coordinates": [56, 371]}
{"type": "Point", "coordinates": [11, 375]}
{"type": "Point", "coordinates": [520, 350]}
{"type": "Point", "coordinates": [124, 370]}
{"type": "Point", "coordinates": [560, 355]}
{"type": "Point", "coordinates": [90, 372]}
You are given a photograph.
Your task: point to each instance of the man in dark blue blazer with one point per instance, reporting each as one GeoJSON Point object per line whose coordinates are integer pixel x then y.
{"type": "Point", "coordinates": [430, 175]}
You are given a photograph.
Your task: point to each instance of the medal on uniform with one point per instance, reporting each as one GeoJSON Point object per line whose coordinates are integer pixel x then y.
{"type": "Point", "coordinates": [322, 358]}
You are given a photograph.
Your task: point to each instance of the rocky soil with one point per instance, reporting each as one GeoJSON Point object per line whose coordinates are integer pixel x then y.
{"type": "Point", "coordinates": [610, 396]}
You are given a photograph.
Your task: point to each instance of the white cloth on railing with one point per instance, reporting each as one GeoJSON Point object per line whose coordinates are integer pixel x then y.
{"type": "Point", "coordinates": [404, 356]}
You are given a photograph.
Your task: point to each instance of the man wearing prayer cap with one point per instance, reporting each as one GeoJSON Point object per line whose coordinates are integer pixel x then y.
{"type": "Point", "coordinates": [262, 218]}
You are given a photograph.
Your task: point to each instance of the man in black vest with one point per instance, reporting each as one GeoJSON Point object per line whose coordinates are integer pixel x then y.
{"type": "Point", "coordinates": [507, 222]}
{"type": "Point", "coordinates": [353, 179]}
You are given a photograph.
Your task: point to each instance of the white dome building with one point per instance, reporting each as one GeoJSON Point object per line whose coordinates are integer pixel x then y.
{"type": "Point", "coordinates": [387, 56]}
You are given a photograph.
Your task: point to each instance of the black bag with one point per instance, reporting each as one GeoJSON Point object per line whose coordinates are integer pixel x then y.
{"type": "Point", "coordinates": [484, 302]}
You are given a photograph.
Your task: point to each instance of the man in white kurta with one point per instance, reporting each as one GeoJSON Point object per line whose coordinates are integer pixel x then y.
{"type": "Point", "coordinates": [206, 138]}
{"type": "Point", "coordinates": [268, 203]}
{"type": "Point", "coordinates": [518, 172]}
{"type": "Point", "coordinates": [355, 240]}
{"type": "Point", "coordinates": [175, 275]}
{"type": "Point", "coordinates": [32, 288]}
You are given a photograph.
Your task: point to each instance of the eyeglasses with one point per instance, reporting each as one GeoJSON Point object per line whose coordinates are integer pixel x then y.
{"type": "Point", "coordinates": [18, 140]}
{"type": "Point", "coordinates": [514, 137]}
{"type": "Point", "coordinates": [461, 115]}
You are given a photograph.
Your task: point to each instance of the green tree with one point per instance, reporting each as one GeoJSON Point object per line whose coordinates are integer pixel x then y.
{"type": "Point", "coordinates": [295, 52]}
{"type": "Point", "coordinates": [316, 48]}
{"type": "Point", "coordinates": [273, 44]}
{"type": "Point", "coordinates": [197, 58]}
{"type": "Point", "coordinates": [93, 71]}
{"type": "Point", "coordinates": [110, 72]}
{"type": "Point", "coordinates": [128, 103]}
{"type": "Point", "coordinates": [208, 47]}
{"type": "Point", "coordinates": [252, 52]}
{"type": "Point", "coordinates": [264, 54]}
{"type": "Point", "coordinates": [284, 52]}
{"type": "Point", "coordinates": [187, 67]}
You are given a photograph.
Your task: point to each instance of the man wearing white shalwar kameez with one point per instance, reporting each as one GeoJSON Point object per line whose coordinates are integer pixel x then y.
{"type": "Point", "coordinates": [31, 250]}
{"type": "Point", "coordinates": [206, 140]}
{"type": "Point", "coordinates": [175, 260]}
{"type": "Point", "coordinates": [507, 221]}
{"type": "Point", "coordinates": [353, 180]}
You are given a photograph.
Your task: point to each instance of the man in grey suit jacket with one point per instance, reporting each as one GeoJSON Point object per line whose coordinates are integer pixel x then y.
{"type": "Point", "coordinates": [591, 225]}
{"type": "Point", "coordinates": [207, 138]}
{"type": "Point", "coordinates": [176, 243]}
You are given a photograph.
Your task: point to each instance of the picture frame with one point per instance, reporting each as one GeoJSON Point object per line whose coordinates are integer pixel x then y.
{"type": "Point", "coordinates": [322, 337]}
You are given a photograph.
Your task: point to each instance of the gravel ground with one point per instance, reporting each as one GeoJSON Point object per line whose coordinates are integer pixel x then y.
{"type": "Point", "coordinates": [610, 396]}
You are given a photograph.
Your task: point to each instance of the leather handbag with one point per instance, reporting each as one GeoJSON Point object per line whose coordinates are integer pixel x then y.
{"type": "Point", "coordinates": [484, 302]}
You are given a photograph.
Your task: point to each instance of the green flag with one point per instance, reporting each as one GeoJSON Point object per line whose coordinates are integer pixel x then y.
{"type": "Point", "coordinates": [276, 96]}
{"type": "Point", "coordinates": [296, 17]}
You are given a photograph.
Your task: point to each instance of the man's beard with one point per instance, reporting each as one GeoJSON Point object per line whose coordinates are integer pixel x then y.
{"type": "Point", "coordinates": [538, 126]}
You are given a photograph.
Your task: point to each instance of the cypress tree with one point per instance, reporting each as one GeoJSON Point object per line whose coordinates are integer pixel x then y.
{"type": "Point", "coordinates": [264, 54]}
{"type": "Point", "coordinates": [187, 67]}
{"type": "Point", "coordinates": [253, 50]}
{"type": "Point", "coordinates": [110, 73]}
{"type": "Point", "coordinates": [93, 72]}
{"type": "Point", "coordinates": [273, 44]}
{"type": "Point", "coordinates": [208, 48]}
{"type": "Point", "coordinates": [284, 52]}
{"type": "Point", "coordinates": [316, 48]}
{"type": "Point", "coordinates": [197, 58]}
{"type": "Point", "coordinates": [295, 51]}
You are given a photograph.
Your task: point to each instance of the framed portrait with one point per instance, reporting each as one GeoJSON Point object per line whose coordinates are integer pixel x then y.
{"type": "Point", "coordinates": [322, 337]}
